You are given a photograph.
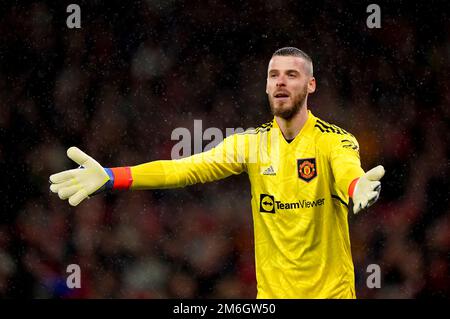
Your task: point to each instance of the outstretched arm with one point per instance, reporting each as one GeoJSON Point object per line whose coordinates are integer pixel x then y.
{"type": "Point", "coordinates": [91, 178]}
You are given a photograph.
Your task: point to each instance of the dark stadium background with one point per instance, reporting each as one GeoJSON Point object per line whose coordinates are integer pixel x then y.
{"type": "Point", "coordinates": [135, 71]}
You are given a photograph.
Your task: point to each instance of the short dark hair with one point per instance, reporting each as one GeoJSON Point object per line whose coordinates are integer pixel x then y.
{"type": "Point", "coordinates": [291, 51]}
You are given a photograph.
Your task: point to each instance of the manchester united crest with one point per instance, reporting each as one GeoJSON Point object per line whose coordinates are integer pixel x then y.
{"type": "Point", "coordinates": [307, 169]}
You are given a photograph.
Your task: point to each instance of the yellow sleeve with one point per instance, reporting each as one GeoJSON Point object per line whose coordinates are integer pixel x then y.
{"type": "Point", "coordinates": [345, 162]}
{"type": "Point", "coordinates": [224, 160]}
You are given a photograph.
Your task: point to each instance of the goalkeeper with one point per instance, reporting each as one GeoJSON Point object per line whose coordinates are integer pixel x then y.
{"type": "Point", "coordinates": [303, 172]}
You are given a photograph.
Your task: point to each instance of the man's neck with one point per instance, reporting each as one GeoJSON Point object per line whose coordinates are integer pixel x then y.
{"type": "Point", "coordinates": [290, 128]}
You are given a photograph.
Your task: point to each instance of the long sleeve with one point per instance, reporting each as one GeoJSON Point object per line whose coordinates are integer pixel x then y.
{"type": "Point", "coordinates": [220, 162]}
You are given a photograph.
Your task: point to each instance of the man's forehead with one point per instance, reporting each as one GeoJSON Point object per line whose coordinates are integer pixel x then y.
{"type": "Point", "coordinates": [286, 63]}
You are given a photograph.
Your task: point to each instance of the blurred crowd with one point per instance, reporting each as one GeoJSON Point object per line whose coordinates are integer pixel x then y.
{"type": "Point", "coordinates": [119, 86]}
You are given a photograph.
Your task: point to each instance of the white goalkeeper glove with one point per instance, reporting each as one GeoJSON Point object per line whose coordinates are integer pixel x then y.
{"type": "Point", "coordinates": [77, 184]}
{"type": "Point", "coordinates": [367, 189]}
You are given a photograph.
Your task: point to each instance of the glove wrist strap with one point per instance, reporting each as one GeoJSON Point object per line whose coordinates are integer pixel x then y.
{"type": "Point", "coordinates": [351, 188]}
{"type": "Point", "coordinates": [120, 178]}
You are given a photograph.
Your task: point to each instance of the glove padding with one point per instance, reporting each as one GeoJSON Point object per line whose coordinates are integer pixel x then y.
{"type": "Point", "coordinates": [367, 189]}
{"type": "Point", "coordinates": [77, 184]}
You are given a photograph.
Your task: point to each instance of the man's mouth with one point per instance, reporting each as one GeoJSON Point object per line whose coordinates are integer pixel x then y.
{"type": "Point", "coordinates": [281, 96]}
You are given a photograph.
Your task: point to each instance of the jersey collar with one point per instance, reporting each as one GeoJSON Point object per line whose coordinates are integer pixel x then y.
{"type": "Point", "coordinates": [306, 130]}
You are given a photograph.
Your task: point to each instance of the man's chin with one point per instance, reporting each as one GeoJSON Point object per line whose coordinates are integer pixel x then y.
{"type": "Point", "coordinates": [284, 113]}
{"type": "Point", "coordinates": [281, 107]}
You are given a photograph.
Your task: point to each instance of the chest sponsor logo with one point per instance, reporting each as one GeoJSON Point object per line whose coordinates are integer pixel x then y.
{"type": "Point", "coordinates": [268, 204]}
{"type": "Point", "coordinates": [306, 169]}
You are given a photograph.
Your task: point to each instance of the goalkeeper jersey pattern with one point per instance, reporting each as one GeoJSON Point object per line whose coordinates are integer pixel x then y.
{"type": "Point", "coordinates": [299, 202]}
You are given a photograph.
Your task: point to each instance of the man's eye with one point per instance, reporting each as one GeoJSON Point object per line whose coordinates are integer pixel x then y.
{"type": "Point", "coordinates": [273, 76]}
{"type": "Point", "coordinates": [292, 75]}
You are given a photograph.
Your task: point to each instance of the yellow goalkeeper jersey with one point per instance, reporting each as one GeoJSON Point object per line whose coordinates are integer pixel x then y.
{"type": "Point", "coordinates": [299, 202]}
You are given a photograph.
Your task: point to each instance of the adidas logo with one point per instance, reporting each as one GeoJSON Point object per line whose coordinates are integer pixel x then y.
{"type": "Point", "coordinates": [269, 171]}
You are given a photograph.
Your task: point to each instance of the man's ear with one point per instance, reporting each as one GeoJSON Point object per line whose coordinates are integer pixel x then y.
{"type": "Point", "coordinates": [312, 85]}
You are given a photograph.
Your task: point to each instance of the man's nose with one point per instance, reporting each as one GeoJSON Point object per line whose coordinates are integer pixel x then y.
{"type": "Point", "coordinates": [281, 81]}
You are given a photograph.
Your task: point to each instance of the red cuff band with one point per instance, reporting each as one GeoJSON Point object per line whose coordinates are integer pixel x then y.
{"type": "Point", "coordinates": [122, 177]}
{"type": "Point", "coordinates": [351, 188]}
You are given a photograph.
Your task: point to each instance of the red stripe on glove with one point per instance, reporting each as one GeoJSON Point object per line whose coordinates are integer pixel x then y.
{"type": "Point", "coordinates": [351, 188]}
{"type": "Point", "coordinates": [122, 178]}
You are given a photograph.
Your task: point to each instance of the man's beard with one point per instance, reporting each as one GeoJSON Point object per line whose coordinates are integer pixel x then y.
{"type": "Point", "coordinates": [289, 112]}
